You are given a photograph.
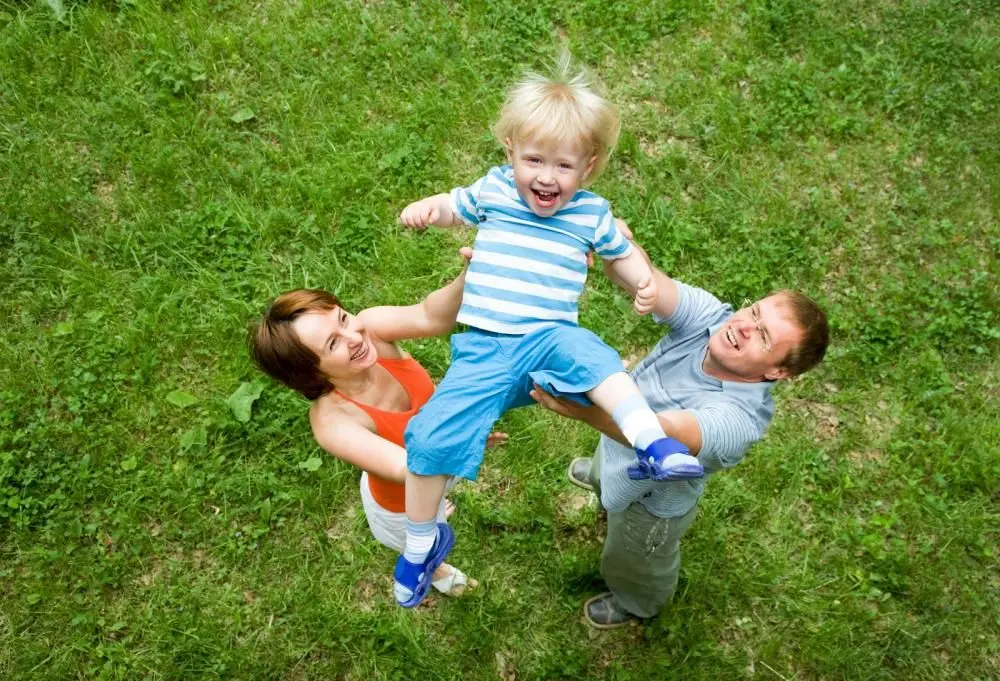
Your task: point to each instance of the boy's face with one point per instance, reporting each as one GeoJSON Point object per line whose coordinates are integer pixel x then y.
{"type": "Point", "coordinates": [548, 175]}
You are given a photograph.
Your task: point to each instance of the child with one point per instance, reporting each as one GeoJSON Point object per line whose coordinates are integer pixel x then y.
{"type": "Point", "coordinates": [535, 229]}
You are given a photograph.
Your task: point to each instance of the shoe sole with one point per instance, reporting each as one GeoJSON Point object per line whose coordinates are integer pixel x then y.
{"type": "Point", "coordinates": [674, 474]}
{"type": "Point", "coordinates": [597, 625]}
{"type": "Point", "coordinates": [569, 474]}
{"type": "Point", "coordinates": [683, 473]}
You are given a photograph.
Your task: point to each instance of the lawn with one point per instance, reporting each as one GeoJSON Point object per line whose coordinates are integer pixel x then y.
{"type": "Point", "coordinates": [167, 168]}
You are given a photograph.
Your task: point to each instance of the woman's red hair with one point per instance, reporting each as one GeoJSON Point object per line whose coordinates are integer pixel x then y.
{"type": "Point", "coordinates": [277, 349]}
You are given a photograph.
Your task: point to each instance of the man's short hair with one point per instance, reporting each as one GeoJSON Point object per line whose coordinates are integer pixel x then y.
{"type": "Point", "coordinates": [811, 319]}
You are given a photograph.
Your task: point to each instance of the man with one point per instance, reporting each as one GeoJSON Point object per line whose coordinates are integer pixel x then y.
{"type": "Point", "coordinates": [710, 382]}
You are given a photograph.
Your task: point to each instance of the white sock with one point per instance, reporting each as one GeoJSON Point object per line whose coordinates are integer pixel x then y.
{"type": "Point", "coordinates": [637, 422]}
{"type": "Point", "coordinates": [419, 540]}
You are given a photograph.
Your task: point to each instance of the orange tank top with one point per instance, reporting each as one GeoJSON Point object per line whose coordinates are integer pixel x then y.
{"type": "Point", "coordinates": [392, 424]}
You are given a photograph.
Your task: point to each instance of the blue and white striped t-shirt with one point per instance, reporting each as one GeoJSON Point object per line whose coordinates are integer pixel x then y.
{"type": "Point", "coordinates": [528, 271]}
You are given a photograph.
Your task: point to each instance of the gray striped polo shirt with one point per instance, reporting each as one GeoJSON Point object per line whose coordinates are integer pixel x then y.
{"type": "Point", "coordinates": [731, 415]}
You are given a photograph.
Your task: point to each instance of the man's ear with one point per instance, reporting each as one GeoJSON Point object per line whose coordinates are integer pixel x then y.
{"type": "Point", "coordinates": [777, 374]}
{"type": "Point", "coordinates": [509, 148]}
{"type": "Point", "coordinates": [590, 166]}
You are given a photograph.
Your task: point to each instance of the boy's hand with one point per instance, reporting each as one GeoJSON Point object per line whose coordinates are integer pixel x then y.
{"type": "Point", "coordinates": [645, 295]}
{"type": "Point", "coordinates": [421, 213]}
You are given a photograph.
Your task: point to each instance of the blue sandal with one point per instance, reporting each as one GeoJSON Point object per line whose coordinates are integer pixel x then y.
{"type": "Point", "coordinates": [416, 577]}
{"type": "Point", "coordinates": [665, 459]}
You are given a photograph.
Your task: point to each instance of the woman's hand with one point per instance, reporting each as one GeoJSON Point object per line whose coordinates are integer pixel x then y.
{"type": "Point", "coordinates": [495, 439]}
{"type": "Point", "coordinates": [433, 316]}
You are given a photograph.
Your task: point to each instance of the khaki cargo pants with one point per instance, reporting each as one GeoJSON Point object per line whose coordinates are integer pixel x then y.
{"type": "Point", "coordinates": [642, 553]}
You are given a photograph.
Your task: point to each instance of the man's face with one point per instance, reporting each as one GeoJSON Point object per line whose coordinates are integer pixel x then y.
{"type": "Point", "coordinates": [754, 343]}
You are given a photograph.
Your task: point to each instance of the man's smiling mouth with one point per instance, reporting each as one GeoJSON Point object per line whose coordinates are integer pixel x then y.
{"type": "Point", "coordinates": [731, 337]}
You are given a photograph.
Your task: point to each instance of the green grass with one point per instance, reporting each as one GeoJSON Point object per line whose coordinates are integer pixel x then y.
{"type": "Point", "coordinates": [167, 168]}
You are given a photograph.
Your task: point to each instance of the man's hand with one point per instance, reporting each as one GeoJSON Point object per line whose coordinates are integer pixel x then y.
{"type": "Point", "coordinates": [420, 214]}
{"type": "Point", "coordinates": [645, 295]}
{"type": "Point", "coordinates": [624, 229]}
{"type": "Point", "coordinates": [594, 416]}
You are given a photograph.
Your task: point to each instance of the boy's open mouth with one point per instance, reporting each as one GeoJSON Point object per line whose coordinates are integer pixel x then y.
{"type": "Point", "coordinates": [545, 199]}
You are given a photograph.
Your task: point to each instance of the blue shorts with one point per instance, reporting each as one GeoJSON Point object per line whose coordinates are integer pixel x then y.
{"type": "Point", "coordinates": [491, 373]}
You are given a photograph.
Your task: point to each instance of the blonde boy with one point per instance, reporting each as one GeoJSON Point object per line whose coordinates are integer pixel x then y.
{"type": "Point", "coordinates": [535, 228]}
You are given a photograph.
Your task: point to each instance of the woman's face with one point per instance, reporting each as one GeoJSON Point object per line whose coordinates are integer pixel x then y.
{"type": "Point", "coordinates": [339, 339]}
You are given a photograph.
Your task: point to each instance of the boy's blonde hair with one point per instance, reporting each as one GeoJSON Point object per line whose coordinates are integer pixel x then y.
{"type": "Point", "coordinates": [565, 105]}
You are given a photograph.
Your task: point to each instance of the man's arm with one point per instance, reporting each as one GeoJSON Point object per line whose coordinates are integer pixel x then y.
{"type": "Point", "coordinates": [679, 424]}
{"type": "Point", "coordinates": [719, 434]}
{"type": "Point", "coordinates": [667, 294]}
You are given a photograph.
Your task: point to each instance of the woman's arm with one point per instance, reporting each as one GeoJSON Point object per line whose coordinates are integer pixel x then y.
{"type": "Point", "coordinates": [342, 436]}
{"type": "Point", "coordinates": [433, 316]}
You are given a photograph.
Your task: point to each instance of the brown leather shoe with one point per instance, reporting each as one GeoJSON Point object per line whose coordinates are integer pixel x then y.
{"type": "Point", "coordinates": [579, 472]}
{"type": "Point", "coordinates": [604, 612]}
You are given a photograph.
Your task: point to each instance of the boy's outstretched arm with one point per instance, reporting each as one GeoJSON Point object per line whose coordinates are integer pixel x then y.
{"type": "Point", "coordinates": [434, 210]}
{"type": "Point", "coordinates": [666, 288]}
{"type": "Point", "coordinates": [634, 274]}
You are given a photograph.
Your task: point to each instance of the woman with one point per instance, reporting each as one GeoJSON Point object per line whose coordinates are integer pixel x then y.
{"type": "Point", "coordinates": [363, 389]}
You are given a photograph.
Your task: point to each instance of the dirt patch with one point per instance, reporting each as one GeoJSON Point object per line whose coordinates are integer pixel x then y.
{"type": "Point", "coordinates": [865, 458]}
{"type": "Point", "coordinates": [571, 503]}
{"type": "Point", "coordinates": [342, 524]}
{"type": "Point", "coordinates": [505, 667]}
{"type": "Point", "coordinates": [363, 594]}
{"type": "Point", "coordinates": [825, 417]}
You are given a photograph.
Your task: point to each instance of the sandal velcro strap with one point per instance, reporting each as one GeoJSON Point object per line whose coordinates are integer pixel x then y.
{"type": "Point", "coordinates": [454, 583]}
{"type": "Point", "coordinates": [665, 459]}
{"type": "Point", "coordinates": [416, 577]}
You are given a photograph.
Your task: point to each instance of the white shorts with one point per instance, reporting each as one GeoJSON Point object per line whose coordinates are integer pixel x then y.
{"type": "Point", "coordinates": [387, 527]}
